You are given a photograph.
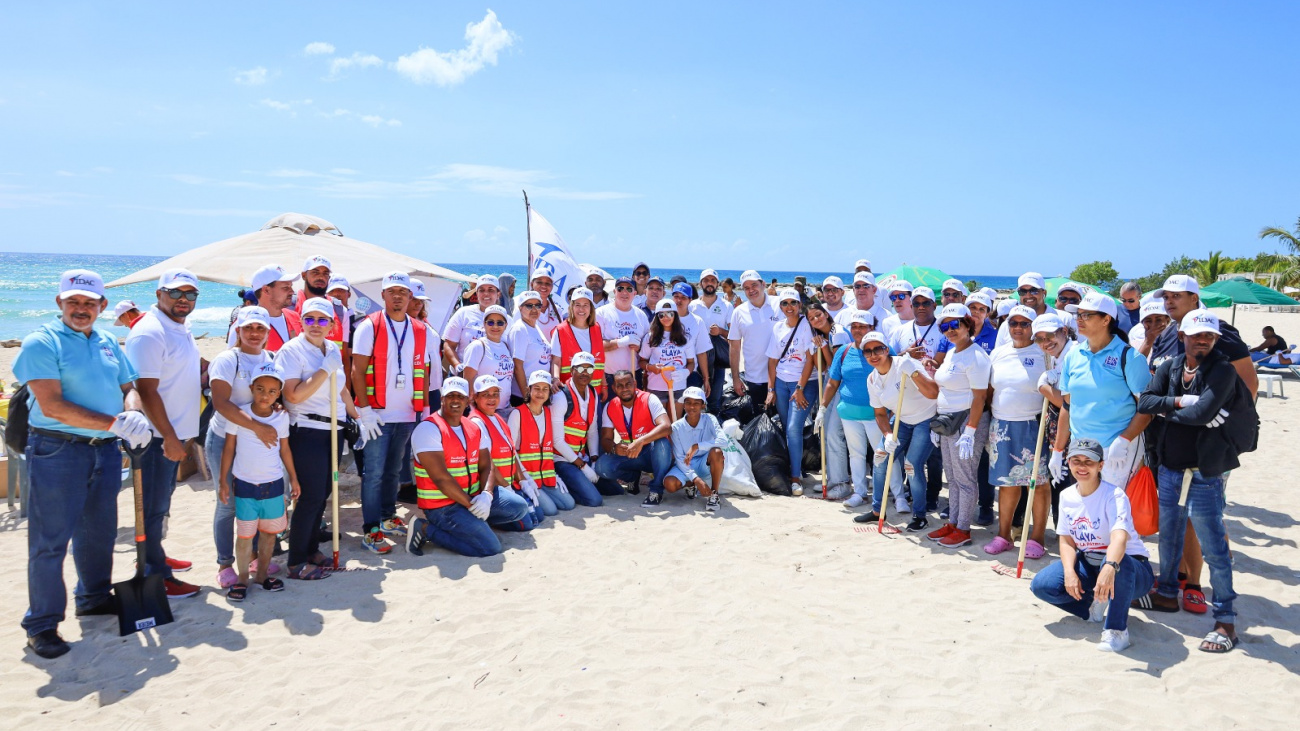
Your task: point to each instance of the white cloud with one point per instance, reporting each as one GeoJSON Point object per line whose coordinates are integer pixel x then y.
{"type": "Point", "coordinates": [486, 39]}
{"type": "Point", "coordinates": [319, 48]}
{"type": "Point", "coordinates": [251, 77]}
{"type": "Point", "coordinates": [278, 106]}
{"type": "Point", "coordinates": [475, 235]}
{"type": "Point", "coordinates": [357, 60]}
{"type": "Point", "coordinates": [500, 230]}
{"type": "Point", "coordinates": [375, 120]}
{"type": "Point", "coordinates": [345, 171]}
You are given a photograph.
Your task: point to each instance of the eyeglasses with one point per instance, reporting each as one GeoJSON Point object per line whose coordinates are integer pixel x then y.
{"type": "Point", "coordinates": [188, 294]}
{"type": "Point", "coordinates": [1019, 323]}
{"type": "Point", "coordinates": [495, 323]}
{"type": "Point", "coordinates": [624, 288]}
{"type": "Point", "coordinates": [315, 320]}
{"type": "Point", "coordinates": [863, 285]}
{"type": "Point", "coordinates": [922, 302]}
{"type": "Point", "coordinates": [1044, 338]}
{"type": "Point", "coordinates": [878, 350]}
{"type": "Point", "coordinates": [584, 368]}
{"type": "Point", "coordinates": [1085, 315]}
{"type": "Point", "coordinates": [952, 295]}
{"type": "Point", "coordinates": [898, 297]}
{"type": "Point", "coordinates": [1027, 290]}
{"type": "Point", "coordinates": [946, 326]}
{"type": "Point", "coordinates": [1130, 301]}
{"type": "Point", "coordinates": [531, 306]}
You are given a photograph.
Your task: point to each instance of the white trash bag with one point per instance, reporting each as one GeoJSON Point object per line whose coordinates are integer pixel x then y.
{"type": "Point", "coordinates": [737, 472]}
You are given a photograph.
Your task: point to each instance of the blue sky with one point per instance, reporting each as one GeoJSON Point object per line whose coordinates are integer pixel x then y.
{"type": "Point", "coordinates": [985, 138]}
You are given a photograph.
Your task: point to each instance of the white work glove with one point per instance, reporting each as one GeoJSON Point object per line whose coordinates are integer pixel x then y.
{"type": "Point", "coordinates": [590, 473]}
{"type": "Point", "coordinates": [1056, 465]}
{"type": "Point", "coordinates": [480, 505]}
{"type": "Point", "coordinates": [934, 439]}
{"type": "Point", "coordinates": [817, 422]}
{"type": "Point", "coordinates": [133, 428]}
{"type": "Point", "coordinates": [966, 443]}
{"type": "Point", "coordinates": [1218, 420]}
{"type": "Point", "coordinates": [1117, 452]}
{"type": "Point", "coordinates": [370, 423]}
{"type": "Point", "coordinates": [559, 485]}
{"type": "Point", "coordinates": [1049, 378]}
{"type": "Point", "coordinates": [890, 444]}
{"type": "Point", "coordinates": [530, 490]}
{"type": "Point", "coordinates": [1188, 400]}
{"type": "Point", "coordinates": [909, 366]}
{"type": "Point", "coordinates": [333, 359]}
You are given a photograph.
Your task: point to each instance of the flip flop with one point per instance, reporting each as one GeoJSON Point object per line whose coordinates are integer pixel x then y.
{"type": "Point", "coordinates": [1224, 642]}
{"type": "Point", "coordinates": [1147, 602]}
{"type": "Point", "coordinates": [308, 572]}
{"type": "Point", "coordinates": [237, 593]}
{"type": "Point", "coordinates": [1194, 600]}
{"type": "Point", "coordinates": [273, 585]}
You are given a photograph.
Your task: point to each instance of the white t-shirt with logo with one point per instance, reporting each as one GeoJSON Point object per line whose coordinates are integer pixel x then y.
{"type": "Point", "coordinates": [161, 348]}
{"type": "Point", "coordinates": [752, 326]}
{"type": "Point", "coordinates": [906, 334]}
{"type": "Point", "coordinates": [530, 345]}
{"type": "Point", "coordinates": [1089, 520]}
{"type": "Point", "coordinates": [235, 368]}
{"type": "Point", "coordinates": [254, 461]}
{"type": "Point", "coordinates": [464, 327]}
{"type": "Point", "coordinates": [961, 372]}
{"type": "Point", "coordinates": [718, 313]}
{"type": "Point", "coordinates": [883, 389]}
{"type": "Point", "coordinates": [630, 326]}
{"type": "Point", "coordinates": [1015, 382]}
{"type": "Point", "coordinates": [301, 360]}
{"type": "Point", "coordinates": [667, 353]}
{"type": "Point", "coordinates": [397, 401]}
{"type": "Point", "coordinates": [492, 359]}
{"type": "Point", "coordinates": [789, 367]}
{"type": "Point", "coordinates": [697, 333]}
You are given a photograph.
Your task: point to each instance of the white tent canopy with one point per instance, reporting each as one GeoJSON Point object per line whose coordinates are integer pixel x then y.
{"type": "Point", "coordinates": [288, 240]}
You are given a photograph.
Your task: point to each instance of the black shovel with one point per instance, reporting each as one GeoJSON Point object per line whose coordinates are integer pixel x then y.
{"type": "Point", "coordinates": [141, 600]}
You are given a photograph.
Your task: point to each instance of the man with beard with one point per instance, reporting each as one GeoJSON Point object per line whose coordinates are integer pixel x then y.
{"type": "Point", "coordinates": [273, 287]}
{"type": "Point", "coordinates": [716, 314]}
{"type": "Point", "coordinates": [833, 296]}
{"type": "Point", "coordinates": [595, 281]}
{"type": "Point", "coordinates": [316, 277]}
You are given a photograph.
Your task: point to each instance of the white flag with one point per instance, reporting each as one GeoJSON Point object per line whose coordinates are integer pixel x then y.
{"type": "Point", "coordinates": [552, 255]}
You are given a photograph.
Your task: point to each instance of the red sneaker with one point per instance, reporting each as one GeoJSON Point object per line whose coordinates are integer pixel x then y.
{"type": "Point", "coordinates": [177, 565]}
{"type": "Point", "coordinates": [939, 535]}
{"type": "Point", "coordinates": [956, 537]}
{"type": "Point", "coordinates": [177, 589]}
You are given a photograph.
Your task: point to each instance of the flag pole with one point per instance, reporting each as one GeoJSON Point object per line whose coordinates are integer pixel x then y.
{"type": "Point", "coordinates": [528, 244]}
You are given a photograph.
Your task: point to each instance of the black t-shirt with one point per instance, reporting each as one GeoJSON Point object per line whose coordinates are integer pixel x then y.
{"type": "Point", "coordinates": [1168, 345]}
{"type": "Point", "coordinates": [1279, 343]}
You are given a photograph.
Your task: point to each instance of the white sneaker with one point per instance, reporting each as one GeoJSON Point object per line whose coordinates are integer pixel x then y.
{"type": "Point", "coordinates": [839, 492]}
{"type": "Point", "coordinates": [1097, 612]}
{"type": "Point", "coordinates": [901, 505]}
{"type": "Point", "coordinates": [854, 501]}
{"type": "Point", "coordinates": [1114, 640]}
{"type": "Point", "coordinates": [796, 489]}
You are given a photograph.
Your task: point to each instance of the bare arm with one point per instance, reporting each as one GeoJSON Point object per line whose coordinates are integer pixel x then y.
{"type": "Point", "coordinates": [1246, 369]}
{"type": "Point", "coordinates": [287, 458]}
{"type": "Point", "coordinates": [979, 397]}
{"type": "Point", "coordinates": [359, 365]}
{"type": "Point", "coordinates": [49, 394]}
{"type": "Point", "coordinates": [436, 465]}
{"type": "Point", "coordinates": [222, 404]}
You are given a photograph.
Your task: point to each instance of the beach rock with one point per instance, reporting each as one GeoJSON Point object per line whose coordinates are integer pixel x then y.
{"type": "Point", "coordinates": [12, 343]}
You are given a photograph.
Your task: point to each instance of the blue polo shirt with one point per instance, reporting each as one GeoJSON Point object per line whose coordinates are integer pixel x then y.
{"type": "Point", "coordinates": [851, 369]}
{"type": "Point", "coordinates": [1101, 397]}
{"type": "Point", "coordinates": [91, 370]}
{"type": "Point", "coordinates": [987, 339]}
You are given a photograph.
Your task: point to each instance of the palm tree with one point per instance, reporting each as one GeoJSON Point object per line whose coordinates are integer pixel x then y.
{"type": "Point", "coordinates": [1289, 239]}
{"type": "Point", "coordinates": [1207, 271]}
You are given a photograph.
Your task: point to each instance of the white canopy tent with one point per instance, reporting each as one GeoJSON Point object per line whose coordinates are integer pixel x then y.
{"type": "Point", "coordinates": [289, 239]}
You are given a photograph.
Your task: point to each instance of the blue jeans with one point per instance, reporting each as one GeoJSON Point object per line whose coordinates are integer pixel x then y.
{"type": "Point", "coordinates": [793, 419]}
{"type": "Point", "coordinates": [552, 498]}
{"type": "Point", "coordinates": [73, 498]}
{"type": "Point", "coordinates": [383, 456]}
{"type": "Point", "coordinates": [159, 476]}
{"type": "Point", "coordinates": [1205, 502]}
{"type": "Point", "coordinates": [1133, 579]}
{"type": "Point", "coordinates": [656, 458]}
{"type": "Point", "coordinates": [914, 447]}
{"type": "Point", "coordinates": [457, 530]}
{"type": "Point", "coordinates": [223, 518]}
{"type": "Point", "coordinates": [511, 511]}
{"type": "Point", "coordinates": [580, 488]}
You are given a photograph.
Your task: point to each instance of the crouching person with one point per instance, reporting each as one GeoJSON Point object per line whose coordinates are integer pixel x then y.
{"type": "Point", "coordinates": [454, 482]}
{"type": "Point", "coordinates": [695, 454]}
{"type": "Point", "coordinates": [634, 439]}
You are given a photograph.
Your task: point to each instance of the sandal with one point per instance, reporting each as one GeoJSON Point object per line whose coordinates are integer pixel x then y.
{"type": "Point", "coordinates": [273, 585]}
{"type": "Point", "coordinates": [323, 560]}
{"type": "Point", "coordinates": [237, 593]}
{"type": "Point", "coordinates": [1147, 602]}
{"type": "Point", "coordinates": [1034, 549]}
{"type": "Point", "coordinates": [997, 545]}
{"type": "Point", "coordinates": [1194, 600]}
{"type": "Point", "coordinates": [308, 572]}
{"type": "Point", "coordinates": [1224, 642]}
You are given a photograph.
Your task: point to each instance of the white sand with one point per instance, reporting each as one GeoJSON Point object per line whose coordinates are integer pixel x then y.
{"type": "Point", "coordinates": [775, 613]}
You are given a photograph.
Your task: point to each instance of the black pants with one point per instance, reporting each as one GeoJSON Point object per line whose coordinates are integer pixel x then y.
{"type": "Point", "coordinates": [933, 478]}
{"type": "Point", "coordinates": [757, 395]}
{"type": "Point", "coordinates": [986, 488]}
{"type": "Point", "coordinates": [311, 460]}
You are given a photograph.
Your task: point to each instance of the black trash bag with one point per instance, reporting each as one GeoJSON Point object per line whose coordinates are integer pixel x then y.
{"type": "Point", "coordinates": [764, 441]}
{"type": "Point", "coordinates": [740, 408]}
{"type": "Point", "coordinates": [812, 450]}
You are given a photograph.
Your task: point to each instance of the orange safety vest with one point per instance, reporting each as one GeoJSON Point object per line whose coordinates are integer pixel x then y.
{"type": "Point", "coordinates": [292, 323]}
{"type": "Point", "coordinates": [642, 423]}
{"type": "Point", "coordinates": [336, 330]}
{"type": "Point", "coordinates": [569, 347]}
{"type": "Point", "coordinates": [461, 460]}
{"type": "Point", "coordinates": [576, 423]}
{"type": "Point", "coordinates": [502, 452]}
{"type": "Point", "coordinates": [537, 452]}
{"type": "Point", "coordinates": [377, 371]}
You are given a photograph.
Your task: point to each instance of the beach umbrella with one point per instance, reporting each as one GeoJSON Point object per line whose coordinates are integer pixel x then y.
{"type": "Point", "coordinates": [1241, 291]}
{"type": "Point", "coordinates": [289, 239]}
{"type": "Point", "coordinates": [918, 276]}
{"type": "Point", "coordinates": [1054, 285]}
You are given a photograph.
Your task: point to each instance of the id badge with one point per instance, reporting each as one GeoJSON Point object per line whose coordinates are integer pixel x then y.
{"type": "Point", "coordinates": [400, 383]}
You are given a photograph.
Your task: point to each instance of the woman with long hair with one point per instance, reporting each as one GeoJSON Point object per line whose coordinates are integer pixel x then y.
{"type": "Point", "coordinates": [665, 348]}
{"type": "Point", "coordinates": [829, 338]}
{"type": "Point", "coordinates": [530, 348]}
{"type": "Point", "coordinates": [490, 355]}
{"type": "Point", "coordinates": [912, 445]}
{"type": "Point", "coordinates": [791, 383]}
{"type": "Point", "coordinates": [534, 437]}
{"type": "Point", "coordinates": [579, 333]}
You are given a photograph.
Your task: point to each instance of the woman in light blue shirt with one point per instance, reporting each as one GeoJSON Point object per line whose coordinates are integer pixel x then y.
{"type": "Point", "coordinates": [847, 379]}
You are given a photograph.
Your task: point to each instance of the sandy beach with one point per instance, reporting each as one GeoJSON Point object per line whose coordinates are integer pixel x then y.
{"type": "Point", "coordinates": [772, 613]}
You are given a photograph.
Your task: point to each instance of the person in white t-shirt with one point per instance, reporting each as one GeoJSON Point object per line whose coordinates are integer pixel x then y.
{"type": "Point", "coordinates": [554, 308]}
{"type": "Point", "coordinates": [466, 324]}
{"type": "Point", "coordinates": [666, 355]}
{"type": "Point", "coordinates": [791, 385]}
{"type": "Point", "coordinates": [900, 298]}
{"type": "Point", "coordinates": [715, 311]}
{"type": "Point", "coordinates": [1032, 289]}
{"type": "Point", "coordinates": [273, 287]}
{"type": "Point", "coordinates": [490, 355]}
{"type": "Point", "coordinates": [1056, 341]}
{"type": "Point", "coordinates": [532, 429]}
{"type": "Point", "coordinates": [575, 418]}
{"type": "Point", "coordinates": [919, 337]}
{"type": "Point", "coordinates": [529, 344]}
{"type": "Point", "coordinates": [254, 474]}
{"type": "Point", "coordinates": [833, 296]}
{"type": "Point", "coordinates": [913, 443]}
{"type": "Point", "coordinates": [168, 361]}
{"type": "Point", "coordinates": [749, 333]}
{"type": "Point", "coordinates": [697, 336]}
{"type": "Point", "coordinates": [623, 326]}
{"type": "Point", "coordinates": [864, 299]}
{"type": "Point", "coordinates": [1104, 564]}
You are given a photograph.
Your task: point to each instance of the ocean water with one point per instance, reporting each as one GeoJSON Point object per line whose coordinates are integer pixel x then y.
{"type": "Point", "coordinates": [29, 284]}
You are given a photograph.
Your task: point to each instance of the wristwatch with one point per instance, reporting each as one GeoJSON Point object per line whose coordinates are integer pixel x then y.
{"type": "Point", "coordinates": [1112, 564]}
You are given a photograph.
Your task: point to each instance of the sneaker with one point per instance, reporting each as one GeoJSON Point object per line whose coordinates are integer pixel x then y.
{"type": "Point", "coordinates": [48, 644]}
{"type": "Point", "coordinates": [691, 491]}
{"type": "Point", "coordinates": [942, 533]}
{"type": "Point", "coordinates": [918, 523]}
{"type": "Point", "coordinates": [630, 488]}
{"type": "Point", "coordinates": [712, 503]}
{"type": "Point", "coordinates": [984, 517]}
{"type": "Point", "coordinates": [841, 491]}
{"type": "Point", "coordinates": [956, 538]}
{"type": "Point", "coordinates": [652, 500]}
{"type": "Point", "coordinates": [177, 565]}
{"type": "Point", "coordinates": [855, 500]}
{"type": "Point", "coordinates": [394, 525]}
{"type": "Point", "coordinates": [106, 607]}
{"type": "Point", "coordinates": [872, 517]}
{"type": "Point", "coordinates": [374, 542]}
{"type": "Point", "coordinates": [178, 589]}
{"type": "Point", "coordinates": [944, 514]}
{"type": "Point", "coordinates": [901, 505]}
{"type": "Point", "coordinates": [227, 577]}
{"type": "Point", "coordinates": [796, 489]}
{"type": "Point", "coordinates": [1097, 612]}
{"type": "Point", "coordinates": [416, 537]}
{"type": "Point", "coordinates": [1114, 640]}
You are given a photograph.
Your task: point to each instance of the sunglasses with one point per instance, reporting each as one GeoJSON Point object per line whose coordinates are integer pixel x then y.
{"type": "Point", "coordinates": [495, 323]}
{"type": "Point", "coordinates": [1062, 300]}
{"type": "Point", "coordinates": [316, 321]}
{"type": "Point", "coordinates": [640, 274]}
{"type": "Point", "coordinates": [1019, 323]}
{"type": "Point", "coordinates": [532, 306]}
{"type": "Point", "coordinates": [946, 326]}
{"type": "Point", "coordinates": [790, 303]}
{"type": "Point", "coordinates": [1044, 338]}
{"type": "Point", "coordinates": [668, 314]}
{"type": "Point", "coordinates": [922, 303]}
{"type": "Point", "coordinates": [176, 294]}
{"type": "Point", "coordinates": [878, 350]}
{"type": "Point", "coordinates": [1130, 301]}
{"type": "Point", "coordinates": [584, 368]}
{"type": "Point", "coordinates": [624, 288]}
{"type": "Point", "coordinates": [898, 297]}
{"type": "Point", "coordinates": [1027, 290]}
{"type": "Point", "coordinates": [862, 285]}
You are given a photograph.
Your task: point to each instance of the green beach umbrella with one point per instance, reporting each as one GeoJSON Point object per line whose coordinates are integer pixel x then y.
{"type": "Point", "coordinates": [1241, 291]}
{"type": "Point", "coordinates": [918, 276]}
{"type": "Point", "coordinates": [1054, 284]}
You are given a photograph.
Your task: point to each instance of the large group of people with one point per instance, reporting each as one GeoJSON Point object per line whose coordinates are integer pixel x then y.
{"type": "Point", "coordinates": [523, 406]}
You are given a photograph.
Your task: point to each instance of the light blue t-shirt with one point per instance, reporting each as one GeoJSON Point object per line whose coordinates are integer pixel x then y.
{"type": "Point", "coordinates": [91, 370]}
{"type": "Point", "coordinates": [851, 369]}
{"type": "Point", "coordinates": [1101, 397]}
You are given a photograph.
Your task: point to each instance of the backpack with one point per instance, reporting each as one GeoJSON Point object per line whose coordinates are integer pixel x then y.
{"type": "Point", "coordinates": [16, 425]}
{"type": "Point", "coordinates": [1241, 427]}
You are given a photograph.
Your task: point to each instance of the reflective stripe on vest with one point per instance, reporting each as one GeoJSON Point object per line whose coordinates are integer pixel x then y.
{"type": "Point", "coordinates": [461, 461]}
{"type": "Point", "coordinates": [569, 347]}
{"type": "Point", "coordinates": [576, 424]}
{"type": "Point", "coordinates": [377, 370]}
{"type": "Point", "coordinates": [642, 422]}
{"type": "Point", "coordinates": [537, 453]}
{"type": "Point", "coordinates": [502, 453]}
{"type": "Point", "coordinates": [292, 323]}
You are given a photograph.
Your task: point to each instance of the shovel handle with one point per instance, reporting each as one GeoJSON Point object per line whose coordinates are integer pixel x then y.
{"type": "Point", "coordinates": [134, 454]}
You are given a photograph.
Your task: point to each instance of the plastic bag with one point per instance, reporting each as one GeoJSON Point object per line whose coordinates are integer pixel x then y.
{"type": "Point", "coordinates": [737, 473]}
{"type": "Point", "coordinates": [764, 441]}
{"type": "Point", "coordinates": [812, 450]}
{"type": "Point", "coordinates": [1145, 502]}
{"type": "Point", "coordinates": [740, 408]}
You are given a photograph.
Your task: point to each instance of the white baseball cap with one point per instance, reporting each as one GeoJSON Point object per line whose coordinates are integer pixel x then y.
{"type": "Point", "coordinates": [497, 310]}
{"type": "Point", "coordinates": [396, 279]}
{"type": "Point", "coordinates": [1047, 322]}
{"type": "Point", "coordinates": [123, 307]}
{"type": "Point", "coordinates": [85, 283]}
{"type": "Point", "coordinates": [900, 285]}
{"type": "Point", "coordinates": [861, 263]}
{"type": "Point", "coordinates": [1098, 302]}
{"type": "Point", "coordinates": [537, 377]}
{"type": "Point", "coordinates": [862, 317]}
{"type": "Point", "coordinates": [582, 357]}
{"type": "Point", "coordinates": [488, 280]}
{"type": "Point", "coordinates": [925, 292]}
{"type": "Point", "coordinates": [979, 298]}
{"type": "Point", "coordinates": [1031, 279]}
{"type": "Point", "coordinates": [875, 336]}
{"type": "Point", "coordinates": [268, 274]}
{"type": "Point", "coordinates": [750, 276]}
{"type": "Point", "coordinates": [1200, 321]}
{"type": "Point", "coordinates": [867, 277]}
{"type": "Point", "coordinates": [1179, 283]}
{"type": "Point", "coordinates": [316, 261]}
{"type": "Point", "coordinates": [417, 290]}
{"type": "Point", "coordinates": [270, 369]}
{"type": "Point", "coordinates": [833, 281]}
{"type": "Point", "coordinates": [956, 309]}
{"type": "Point", "coordinates": [484, 382]}
{"type": "Point", "coordinates": [708, 273]}
{"type": "Point", "coordinates": [1022, 311]}
{"type": "Point", "coordinates": [1072, 287]}
{"type": "Point", "coordinates": [788, 293]}
{"type": "Point", "coordinates": [173, 278]}
{"type": "Point", "coordinates": [580, 293]}
{"type": "Point", "coordinates": [989, 292]}
{"type": "Point", "coordinates": [1154, 307]}
{"type": "Point", "coordinates": [338, 282]}
{"type": "Point", "coordinates": [253, 315]}
{"type": "Point", "coordinates": [1004, 307]}
{"type": "Point", "coordinates": [539, 273]}
{"type": "Point", "coordinates": [529, 295]}
{"type": "Point", "coordinates": [318, 304]}
{"type": "Point", "coordinates": [455, 384]}
{"type": "Point", "coordinates": [955, 284]}
{"type": "Point", "coordinates": [665, 305]}
{"type": "Point", "coordinates": [696, 393]}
